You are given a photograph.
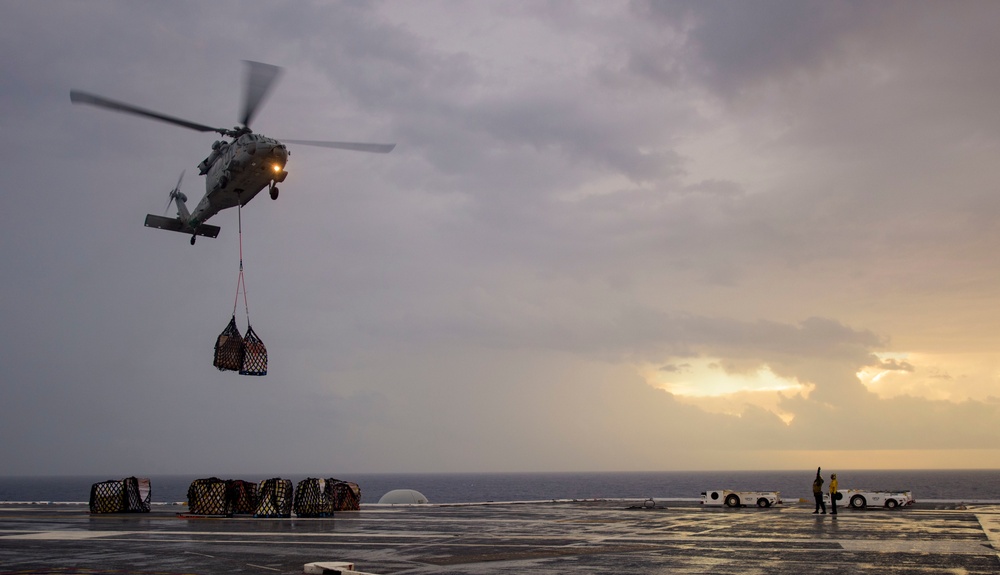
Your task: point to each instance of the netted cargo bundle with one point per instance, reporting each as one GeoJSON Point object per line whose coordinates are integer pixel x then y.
{"type": "Point", "coordinates": [312, 499]}
{"type": "Point", "coordinates": [254, 354]}
{"type": "Point", "coordinates": [241, 496]}
{"type": "Point", "coordinates": [229, 348]}
{"type": "Point", "coordinates": [207, 497]}
{"type": "Point", "coordinates": [345, 495]}
{"type": "Point", "coordinates": [214, 496]}
{"type": "Point", "coordinates": [274, 498]}
{"type": "Point", "coordinates": [129, 495]}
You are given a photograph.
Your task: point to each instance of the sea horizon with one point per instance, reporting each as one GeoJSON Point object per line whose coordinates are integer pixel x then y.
{"type": "Point", "coordinates": [471, 487]}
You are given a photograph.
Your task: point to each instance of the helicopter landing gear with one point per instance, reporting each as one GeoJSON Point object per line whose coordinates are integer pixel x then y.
{"type": "Point", "coordinates": [274, 192]}
{"type": "Point", "coordinates": [193, 238]}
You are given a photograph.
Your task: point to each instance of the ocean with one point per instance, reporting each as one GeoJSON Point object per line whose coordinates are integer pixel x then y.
{"type": "Point", "coordinates": [950, 485]}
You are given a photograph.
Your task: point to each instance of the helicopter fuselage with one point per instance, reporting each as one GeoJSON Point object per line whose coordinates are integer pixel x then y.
{"type": "Point", "coordinates": [237, 171]}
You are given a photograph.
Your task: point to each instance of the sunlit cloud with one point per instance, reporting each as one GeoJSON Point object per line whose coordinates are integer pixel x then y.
{"type": "Point", "coordinates": [885, 376]}
{"type": "Point", "coordinates": [708, 378]}
{"type": "Point", "coordinates": [943, 377]}
{"type": "Point", "coordinates": [705, 383]}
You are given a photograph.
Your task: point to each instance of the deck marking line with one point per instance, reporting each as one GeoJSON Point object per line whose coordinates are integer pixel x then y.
{"type": "Point", "coordinates": [62, 535]}
{"type": "Point", "coordinates": [200, 554]}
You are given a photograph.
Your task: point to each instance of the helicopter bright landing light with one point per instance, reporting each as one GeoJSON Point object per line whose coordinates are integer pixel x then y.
{"type": "Point", "coordinates": [235, 171]}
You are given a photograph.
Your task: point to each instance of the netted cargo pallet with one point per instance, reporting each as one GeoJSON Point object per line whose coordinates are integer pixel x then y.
{"type": "Point", "coordinates": [254, 354]}
{"type": "Point", "coordinates": [312, 498]}
{"type": "Point", "coordinates": [214, 496]}
{"type": "Point", "coordinates": [345, 495]}
{"type": "Point", "coordinates": [242, 496]}
{"type": "Point", "coordinates": [129, 495]}
{"type": "Point", "coordinates": [274, 498]}
{"type": "Point", "coordinates": [207, 497]}
{"type": "Point", "coordinates": [229, 348]}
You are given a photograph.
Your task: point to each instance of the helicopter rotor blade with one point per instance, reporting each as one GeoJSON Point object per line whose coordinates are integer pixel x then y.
{"type": "Point", "coordinates": [260, 80]}
{"type": "Point", "coordinates": [78, 97]}
{"type": "Point", "coordinates": [355, 146]}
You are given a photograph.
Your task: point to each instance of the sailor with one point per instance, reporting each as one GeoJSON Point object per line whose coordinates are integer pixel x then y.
{"type": "Point", "coordinates": [833, 494]}
{"type": "Point", "coordinates": [818, 493]}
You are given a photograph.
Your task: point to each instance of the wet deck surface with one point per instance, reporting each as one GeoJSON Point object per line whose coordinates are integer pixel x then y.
{"type": "Point", "coordinates": [536, 538]}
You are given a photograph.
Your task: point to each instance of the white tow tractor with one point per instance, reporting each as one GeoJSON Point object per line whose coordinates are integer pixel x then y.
{"type": "Point", "coordinates": [863, 498]}
{"type": "Point", "coordinates": [731, 498]}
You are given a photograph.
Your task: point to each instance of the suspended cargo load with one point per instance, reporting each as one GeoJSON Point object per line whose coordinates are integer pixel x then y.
{"type": "Point", "coordinates": [254, 354]}
{"type": "Point", "coordinates": [229, 348]}
{"type": "Point", "coordinates": [129, 495]}
{"type": "Point", "coordinates": [244, 354]}
{"type": "Point", "coordinates": [274, 498]}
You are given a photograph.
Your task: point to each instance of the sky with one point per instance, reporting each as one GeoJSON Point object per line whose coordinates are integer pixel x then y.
{"type": "Point", "coordinates": [613, 236]}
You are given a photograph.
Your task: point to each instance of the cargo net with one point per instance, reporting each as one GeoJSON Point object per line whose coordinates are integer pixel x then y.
{"type": "Point", "coordinates": [346, 496]}
{"type": "Point", "coordinates": [229, 348]}
{"type": "Point", "coordinates": [254, 354]}
{"type": "Point", "coordinates": [312, 498]}
{"type": "Point", "coordinates": [207, 496]}
{"type": "Point", "coordinates": [213, 496]}
{"type": "Point", "coordinates": [245, 354]}
{"type": "Point", "coordinates": [129, 495]}
{"type": "Point", "coordinates": [275, 498]}
{"type": "Point", "coordinates": [242, 496]}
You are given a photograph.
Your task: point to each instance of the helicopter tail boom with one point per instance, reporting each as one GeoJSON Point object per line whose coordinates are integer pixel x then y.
{"type": "Point", "coordinates": [176, 225]}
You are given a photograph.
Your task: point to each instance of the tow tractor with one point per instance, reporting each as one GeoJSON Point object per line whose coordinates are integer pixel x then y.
{"type": "Point", "coordinates": [862, 498]}
{"type": "Point", "coordinates": [731, 498]}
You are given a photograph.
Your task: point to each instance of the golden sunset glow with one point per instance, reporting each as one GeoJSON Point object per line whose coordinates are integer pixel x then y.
{"type": "Point", "coordinates": [708, 378]}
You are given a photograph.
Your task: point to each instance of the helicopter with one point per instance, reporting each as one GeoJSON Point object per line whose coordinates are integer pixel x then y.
{"type": "Point", "coordinates": [235, 171]}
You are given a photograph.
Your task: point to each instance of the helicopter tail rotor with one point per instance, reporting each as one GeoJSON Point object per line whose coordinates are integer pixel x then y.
{"type": "Point", "coordinates": [176, 193]}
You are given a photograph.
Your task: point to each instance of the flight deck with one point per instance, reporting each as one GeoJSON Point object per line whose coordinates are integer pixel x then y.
{"type": "Point", "coordinates": [583, 536]}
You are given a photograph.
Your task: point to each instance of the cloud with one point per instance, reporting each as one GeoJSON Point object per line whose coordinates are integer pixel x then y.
{"type": "Point", "coordinates": [736, 47]}
{"type": "Point", "coordinates": [582, 198]}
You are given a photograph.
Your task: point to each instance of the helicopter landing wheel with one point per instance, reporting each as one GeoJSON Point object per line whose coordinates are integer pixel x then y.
{"type": "Point", "coordinates": [193, 238]}
{"type": "Point", "coordinates": [274, 192]}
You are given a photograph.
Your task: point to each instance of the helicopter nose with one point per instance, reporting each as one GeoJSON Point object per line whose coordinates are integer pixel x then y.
{"type": "Point", "coordinates": [278, 157]}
